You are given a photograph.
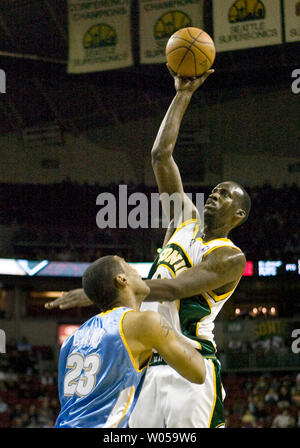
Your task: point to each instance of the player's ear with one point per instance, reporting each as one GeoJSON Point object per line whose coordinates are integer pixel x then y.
{"type": "Point", "coordinates": [240, 213]}
{"type": "Point", "coordinates": [121, 280]}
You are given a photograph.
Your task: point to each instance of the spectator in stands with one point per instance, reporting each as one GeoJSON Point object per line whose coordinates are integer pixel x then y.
{"type": "Point", "coordinates": [252, 400]}
{"type": "Point", "coordinates": [275, 383]}
{"type": "Point", "coordinates": [271, 397]}
{"type": "Point", "coordinates": [262, 384]}
{"type": "Point", "coordinates": [17, 411]}
{"type": "Point", "coordinates": [283, 420]}
{"type": "Point", "coordinates": [32, 423]}
{"type": "Point", "coordinates": [32, 414]}
{"type": "Point", "coordinates": [24, 345]}
{"type": "Point", "coordinates": [248, 419]}
{"type": "Point", "coordinates": [298, 419]}
{"type": "Point", "coordinates": [45, 418]}
{"type": "Point", "coordinates": [17, 422]}
{"type": "Point", "coordinates": [55, 406]}
{"type": "Point", "coordinates": [260, 412]}
{"type": "Point", "coordinates": [238, 406]}
{"type": "Point", "coordinates": [284, 398]}
{"type": "Point", "coordinates": [24, 387]}
{"type": "Point", "coordinates": [11, 380]}
{"type": "Point", "coordinates": [3, 406]}
{"type": "Point", "coordinates": [295, 395]}
{"type": "Point", "coordinates": [47, 379]}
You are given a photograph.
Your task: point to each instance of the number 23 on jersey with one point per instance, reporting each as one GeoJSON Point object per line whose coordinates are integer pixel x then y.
{"type": "Point", "coordinates": [81, 378]}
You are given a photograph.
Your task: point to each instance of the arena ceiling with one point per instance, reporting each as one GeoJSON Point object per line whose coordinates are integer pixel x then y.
{"type": "Point", "coordinates": [34, 51]}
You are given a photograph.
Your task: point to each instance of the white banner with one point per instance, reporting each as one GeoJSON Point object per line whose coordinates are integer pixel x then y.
{"type": "Point", "coordinates": [240, 24]}
{"type": "Point", "coordinates": [292, 20]}
{"type": "Point", "coordinates": [99, 35]}
{"type": "Point", "coordinates": [159, 19]}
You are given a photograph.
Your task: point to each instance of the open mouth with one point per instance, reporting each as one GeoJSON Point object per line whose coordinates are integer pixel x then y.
{"type": "Point", "coordinates": [210, 202]}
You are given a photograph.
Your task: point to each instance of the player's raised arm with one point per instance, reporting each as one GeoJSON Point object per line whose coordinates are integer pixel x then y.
{"type": "Point", "coordinates": [222, 267]}
{"type": "Point", "coordinates": [149, 330]}
{"type": "Point", "coordinates": [165, 169]}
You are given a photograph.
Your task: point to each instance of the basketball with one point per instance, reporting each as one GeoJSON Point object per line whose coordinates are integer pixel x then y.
{"type": "Point", "coordinates": [190, 52]}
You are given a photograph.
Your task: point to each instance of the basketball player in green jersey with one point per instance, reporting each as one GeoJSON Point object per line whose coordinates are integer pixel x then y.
{"type": "Point", "coordinates": [194, 277]}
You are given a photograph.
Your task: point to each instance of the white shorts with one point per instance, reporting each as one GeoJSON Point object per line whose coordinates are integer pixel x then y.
{"type": "Point", "coordinates": [167, 400]}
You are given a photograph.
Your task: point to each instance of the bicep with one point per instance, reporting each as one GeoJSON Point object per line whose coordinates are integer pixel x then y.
{"type": "Point", "coordinates": [178, 353]}
{"type": "Point", "coordinates": [160, 335]}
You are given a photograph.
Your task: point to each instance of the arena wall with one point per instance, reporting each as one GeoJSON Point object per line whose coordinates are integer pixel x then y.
{"type": "Point", "coordinates": [246, 137]}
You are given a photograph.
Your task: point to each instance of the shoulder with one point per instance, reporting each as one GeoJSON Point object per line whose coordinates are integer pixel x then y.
{"type": "Point", "coordinates": [145, 324]}
{"type": "Point", "coordinates": [227, 256]}
{"type": "Point", "coordinates": [141, 319]}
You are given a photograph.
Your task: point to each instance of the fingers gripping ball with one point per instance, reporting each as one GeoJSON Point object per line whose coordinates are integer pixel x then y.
{"type": "Point", "coordinates": [190, 52]}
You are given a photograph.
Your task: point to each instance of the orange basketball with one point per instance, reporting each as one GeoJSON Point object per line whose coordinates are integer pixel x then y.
{"type": "Point", "coordinates": [190, 52]}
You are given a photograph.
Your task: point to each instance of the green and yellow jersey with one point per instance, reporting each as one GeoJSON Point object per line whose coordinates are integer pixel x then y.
{"type": "Point", "coordinates": [192, 318]}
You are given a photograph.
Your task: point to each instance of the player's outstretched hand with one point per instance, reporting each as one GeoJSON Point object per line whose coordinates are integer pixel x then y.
{"type": "Point", "coordinates": [76, 298]}
{"type": "Point", "coordinates": [189, 84]}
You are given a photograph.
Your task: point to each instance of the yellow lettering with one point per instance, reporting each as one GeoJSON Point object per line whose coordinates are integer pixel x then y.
{"type": "Point", "coordinates": [179, 266]}
{"type": "Point", "coordinates": [179, 271]}
{"type": "Point", "coordinates": [174, 257]}
{"type": "Point", "coordinates": [165, 253]}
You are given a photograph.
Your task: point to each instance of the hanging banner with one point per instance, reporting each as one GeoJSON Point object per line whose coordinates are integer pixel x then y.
{"type": "Point", "coordinates": [292, 20]}
{"type": "Point", "coordinates": [244, 24]}
{"type": "Point", "coordinates": [159, 19]}
{"type": "Point", "coordinates": [99, 35]}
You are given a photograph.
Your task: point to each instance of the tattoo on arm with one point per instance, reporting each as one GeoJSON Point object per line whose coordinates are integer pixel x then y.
{"type": "Point", "coordinates": [165, 326]}
{"type": "Point", "coordinates": [189, 352]}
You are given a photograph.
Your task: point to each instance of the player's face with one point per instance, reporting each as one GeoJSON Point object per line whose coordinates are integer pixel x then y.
{"type": "Point", "coordinates": [135, 281]}
{"type": "Point", "coordinates": [223, 201]}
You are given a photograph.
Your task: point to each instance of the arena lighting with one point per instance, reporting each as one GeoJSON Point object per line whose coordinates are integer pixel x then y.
{"type": "Point", "coordinates": [65, 330]}
{"type": "Point", "coordinates": [264, 310]}
{"type": "Point", "coordinates": [255, 310]}
{"type": "Point", "coordinates": [46, 268]}
{"type": "Point", "coordinates": [45, 294]}
{"type": "Point", "coordinates": [273, 310]}
{"type": "Point", "coordinates": [249, 269]}
{"type": "Point", "coordinates": [268, 268]}
{"type": "Point", "coordinates": [237, 311]}
{"type": "Point", "coordinates": [291, 267]}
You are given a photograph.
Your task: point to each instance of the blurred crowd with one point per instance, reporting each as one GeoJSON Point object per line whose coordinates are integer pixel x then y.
{"type": "Point", "coordinates": [58, 222]}
{"type": "Point", "coordinates": [272, 352]}
{"type": "Point", "coordinates": [270, 400]}
{"type": "Point", "coordinates": [29, 394]}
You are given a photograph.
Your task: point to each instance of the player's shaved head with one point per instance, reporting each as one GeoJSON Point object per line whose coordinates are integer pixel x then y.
{"type": "Point", "coordinates": [244, 202]}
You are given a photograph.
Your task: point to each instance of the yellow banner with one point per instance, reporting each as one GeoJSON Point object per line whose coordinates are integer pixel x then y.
{"type": "Point", "coordinates": [99, 35]}
{"type": "Point", "coordinates": [292, 20]}
{"type": "Point", "coordinates": [240, 24]}
{"type": "Point", "coordinates": [159, 19]}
